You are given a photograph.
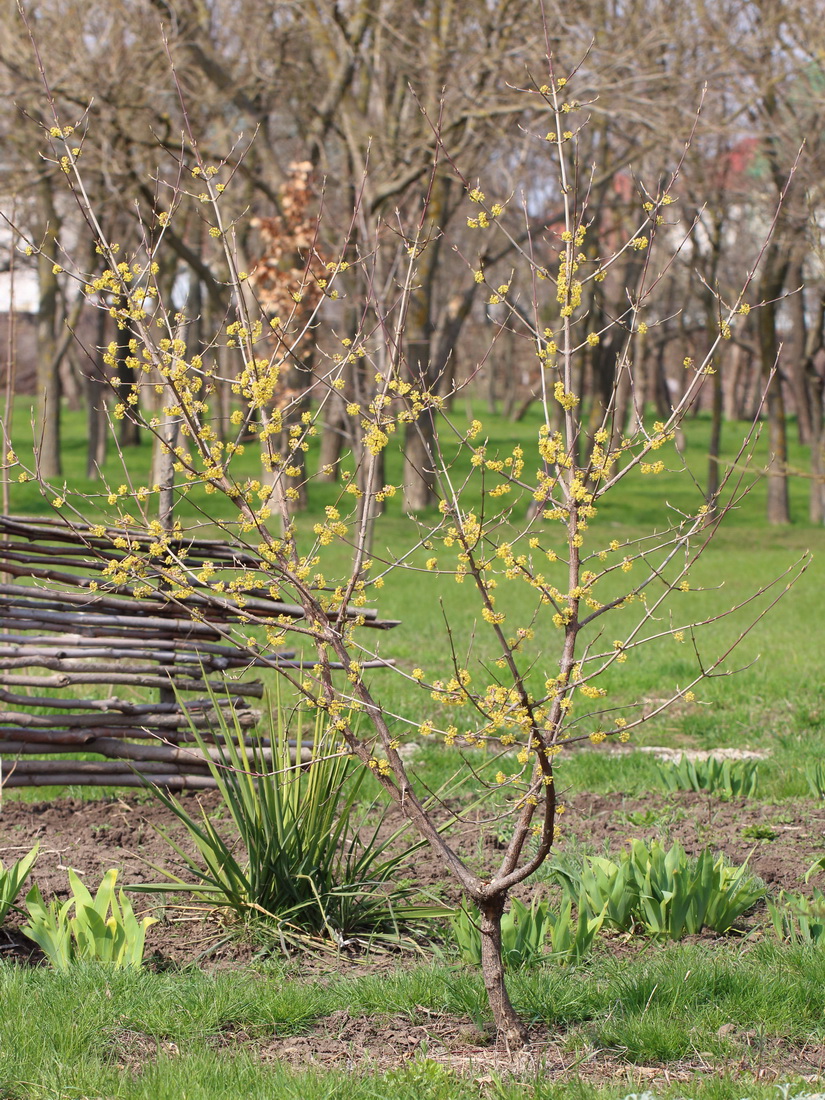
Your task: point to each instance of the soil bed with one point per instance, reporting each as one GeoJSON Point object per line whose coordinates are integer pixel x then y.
{"type": "Point", "coordinates": [779, 840]}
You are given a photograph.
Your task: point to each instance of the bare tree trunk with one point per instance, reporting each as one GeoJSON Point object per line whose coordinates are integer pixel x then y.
{"type": "Point", "coordinates": [332, 439]}
{"type": "Point", "coordinates": [129, 433]}
{"type": "Point", "coordinates": [97, 426]}
{"type": "Point", "coordinates": [796, 345]}
{"type": "Point", "coordinates": [771, 286]}
{"type": "Point", "coordinates": [370, 474]}
{"type": "Point", "coordinates": [48, 364]}
{"type": "Point", "coordinates": [446, 337]}
{"type": "Point", "coordinates": [715, 445]}
{"type": "Point", "coordinates": [508, 1023]}
{"type": "Point", "coordinates": [163, 460]}
{"type": "Point", "coordinates": [419, 467]}
{"type": "Point", "coordinates": [731, 404]}
{"type": "Point", "coordinates": [815, 386]}
{"type": "Point", "coordinates": [423, 368]}
{"type": "Point", "coordinates": [490, 371]}
{"type": "Point", "coordinates": [299, 383]}
{"type": "Point", "coordinates": [816, 501]}
{"type": "Point", "coordinates": [717, 393]}
{"type": "Point", "coordinates": [70, 381]}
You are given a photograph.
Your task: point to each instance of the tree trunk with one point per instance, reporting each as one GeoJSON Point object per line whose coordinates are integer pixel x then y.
{"type": "Point", "coordinates": [332, 439]}
{"type": "Point", "coordinates": [715, 444]}
{"type": "Point", "coordinates": [419, 467]}
{"type": "Point", "coordinates": [779, 505]}
{"type": "Point", "coordinates": [98, 389]}
{"type": "Point", "coordinates": [129, 432]}
{"type": "Point", "coordinates": [48, 364]}
{"type": "Point", "coordinates": [508, 1023]}
{"type": "Point", "coordinates": [422, 365]}
{"type": "Point", "coordinates": [731, 403]}
{"type": "Point", "coordinates": [796, 344]}
{"type": "Point", "coordinates": [815, 379]}
{"type": "Point", "coordinates": [163, 460]}
{"type": "Point", "coordinates": [370, 476]}
{"type": "Point", "coordinates": [770, 289]}
{"type": "Point", "coordinates": [97, 426]}
{"type": "Point", "coordinates": [816, 501]}
{"type": "Point", "coordinates": [717, 390]}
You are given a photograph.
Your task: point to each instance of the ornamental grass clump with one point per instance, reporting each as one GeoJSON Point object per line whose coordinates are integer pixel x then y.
{"type": "Point", "coordinates": [307, 868]}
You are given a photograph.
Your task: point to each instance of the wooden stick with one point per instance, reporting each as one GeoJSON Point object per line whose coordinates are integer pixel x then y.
{"type": "Point", "coordinates": [93, 767]}
{"type": "Point", "coordinates": [170, 781]}
{"type": "Point", "coordinates": [138, 678]}
{"type": "Point", "coordinates": [55, 654]}
{"type": "Point", "coordinates": [50, 645]}
{"type": "Point", "coordinates": [116, 749]}
{"type": "Point", "coordinates": [152, 721]}
{"type": "Point", "coordinates": [124, 706]}
{"type": "Point", "coordinates": [56, 740]}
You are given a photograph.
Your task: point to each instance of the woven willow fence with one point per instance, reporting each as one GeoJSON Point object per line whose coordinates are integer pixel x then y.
{"type": "Point", "coordinates": [64, 628]}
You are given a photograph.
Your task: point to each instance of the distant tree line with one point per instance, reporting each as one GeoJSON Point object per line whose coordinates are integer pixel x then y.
{"type": "Point", "coordinates": [341, 119]}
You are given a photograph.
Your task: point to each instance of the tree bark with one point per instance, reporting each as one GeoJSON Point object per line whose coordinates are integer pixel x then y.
{"type": "Point", "coordinates": [48, 363]}
{"type": "Point", "coordinates": [717, 392]}
{"type": "Point", "coordinates": [816, 501]}
{"type": "Point", "coordinates": [423, 369]}
{"type": "Point", "coordinates": [419, 467]}
{"type": "Point", "coordinates": [509, 1025]}
{"type": "Point", "coordinates": [796, 345]}
{"type": "Point", "coordinates": [815, 385]}
{"type": "Point", "coordinates": [129, 432]}
{"type": "Point", "coordinates": [771, 286]}
{"type": "Point", "coordinates": [332, 440]}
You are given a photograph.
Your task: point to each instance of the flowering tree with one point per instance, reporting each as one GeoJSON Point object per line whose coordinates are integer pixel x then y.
{"type": "Point", "coordinates": [545, 579]}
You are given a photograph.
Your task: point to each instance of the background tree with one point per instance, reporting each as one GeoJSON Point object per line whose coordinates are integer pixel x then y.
{"type": "Point", "coordinates": [411, 105]}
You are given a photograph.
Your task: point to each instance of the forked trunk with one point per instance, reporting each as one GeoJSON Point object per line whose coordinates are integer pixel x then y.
{"type": "Point", "coordinates": [508, 1023]}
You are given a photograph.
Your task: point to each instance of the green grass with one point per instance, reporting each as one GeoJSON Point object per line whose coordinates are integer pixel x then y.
{"type": "Point", "coordinates": [59, 1032]}
{"type": "Point", "coordinates": [776, 703]}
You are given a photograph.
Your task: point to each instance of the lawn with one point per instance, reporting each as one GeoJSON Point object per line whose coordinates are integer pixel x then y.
{"type": "Point", "coordinates": [681, 1020]}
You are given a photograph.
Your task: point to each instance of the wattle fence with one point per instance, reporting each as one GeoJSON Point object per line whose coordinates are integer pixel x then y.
{"type": "Point", "coordinates": [65, 627]}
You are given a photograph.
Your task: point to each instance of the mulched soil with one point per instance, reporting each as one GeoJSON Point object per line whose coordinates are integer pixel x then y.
{"type": "Point", "coordinates": [780, 841]}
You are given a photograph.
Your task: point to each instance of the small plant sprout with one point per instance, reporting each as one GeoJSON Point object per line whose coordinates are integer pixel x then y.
{"type": "Point", "coordinates": [663, 892]}
{"type": "Point", "coordinates": [12, 879]}
{"type": "Point", "coordinates": [730, 778]}
{"type": "Point", "coordinates": [102, 928]}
